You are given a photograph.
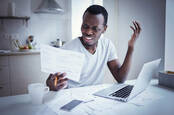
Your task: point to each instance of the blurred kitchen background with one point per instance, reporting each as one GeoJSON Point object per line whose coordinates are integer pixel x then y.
{"type": "Point", "coordinates": [18, 20]}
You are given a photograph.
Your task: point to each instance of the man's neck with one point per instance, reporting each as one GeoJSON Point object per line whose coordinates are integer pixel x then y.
{"type": "Point", "coordinates": [90, 48]}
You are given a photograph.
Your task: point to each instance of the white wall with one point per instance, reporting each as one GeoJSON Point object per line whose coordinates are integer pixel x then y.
{"type": "Point", "coordinates": [44, 27]}
{"type": "Point", "coordinates": [11, 27]}
{"type": "Point", "coordinates": [150, 45]}
{"type": "Point", "coordinates": [78, 8]}
{"type": "Point", "coordinates": [47, 27]}
{"type": "Point", "coordinates": [112, 30]}
{"type": "Point", "coordinates": [169, 43]}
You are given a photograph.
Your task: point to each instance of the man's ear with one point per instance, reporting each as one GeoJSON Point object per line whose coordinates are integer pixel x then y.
{"type": "Point", "coordinates": [105, 27]}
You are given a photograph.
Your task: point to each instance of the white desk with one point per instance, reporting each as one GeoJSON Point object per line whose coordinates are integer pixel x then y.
{"type": "Point", "coordinates": [21, 104]}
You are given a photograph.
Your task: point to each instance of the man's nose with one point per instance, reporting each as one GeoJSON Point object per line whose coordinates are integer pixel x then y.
{"type": "Point", "coordinates": [89, 31]}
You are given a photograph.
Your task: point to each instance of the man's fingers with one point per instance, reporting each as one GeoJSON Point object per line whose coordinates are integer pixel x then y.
{"type": "Point", "coordinates": [58, 75]}
{"type": "Point", "coordinates": [132, 28]}
{"type": "Point", "coordinates": [60, 86]}
{"type": "Point", "coordinates": [137, 26]}
{"type": "Point", "coordinates": [62, 75]}
{"type": "Point", "coordinates": [57, 81]}
{"type": "Point", "coordinates": [53, 76]}
{"type": "Point", "coordinates": [62, 80]}
{"type": "Point", "coordinates": [50, 76]}
{"type": "Point", "coordinates": [65, 82]}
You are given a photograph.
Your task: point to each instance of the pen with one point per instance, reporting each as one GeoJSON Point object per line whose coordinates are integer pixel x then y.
{"type": "Point", "coordinates": [55, 82]}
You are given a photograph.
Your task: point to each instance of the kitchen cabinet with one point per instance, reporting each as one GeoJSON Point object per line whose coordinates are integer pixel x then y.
{"type": "Point", "coordinates": [5, 90]}
{"type": "Point", "coordinates": [17, 71]}
{"type": "Point", "coordinates": [4, 76]}
{"type": "Point", "coordinates": [24, 69]}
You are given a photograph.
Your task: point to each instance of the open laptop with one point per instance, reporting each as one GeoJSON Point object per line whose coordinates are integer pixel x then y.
{"type": "Point", "coordinates": [124, 92]}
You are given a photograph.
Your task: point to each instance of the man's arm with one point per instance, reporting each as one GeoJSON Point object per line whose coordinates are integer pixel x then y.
{"type": "Point", "coordinates": [120, 72]}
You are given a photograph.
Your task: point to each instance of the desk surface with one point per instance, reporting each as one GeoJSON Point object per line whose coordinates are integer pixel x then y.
{"type": "Point", "coordinates": [161, 105]}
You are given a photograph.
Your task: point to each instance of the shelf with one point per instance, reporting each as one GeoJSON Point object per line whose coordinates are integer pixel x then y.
{"type": "Point", "coordinates": [15, 18]}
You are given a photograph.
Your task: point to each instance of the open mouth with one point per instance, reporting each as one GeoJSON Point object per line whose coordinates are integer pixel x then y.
{"type": "Point", "coordinates": [87, 39]}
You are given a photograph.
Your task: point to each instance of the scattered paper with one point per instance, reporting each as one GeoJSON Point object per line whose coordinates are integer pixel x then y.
{"type": "Point", "coordinates": [59, 60]}
{"type": "Point", "coordinates": [91, 104]}
{"type": "Point", "coordinates": [144, 98]}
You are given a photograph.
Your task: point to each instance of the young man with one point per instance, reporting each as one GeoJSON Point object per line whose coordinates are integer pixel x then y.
{"type": "Point", "coordinates": [98, 51]}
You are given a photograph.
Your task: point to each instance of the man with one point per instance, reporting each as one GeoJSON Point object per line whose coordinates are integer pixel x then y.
{"type": "Point", "coordinates": [98, 52]}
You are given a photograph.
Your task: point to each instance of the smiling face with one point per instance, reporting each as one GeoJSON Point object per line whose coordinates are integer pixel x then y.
{"type": "Point", "coordinates": [92, 28]}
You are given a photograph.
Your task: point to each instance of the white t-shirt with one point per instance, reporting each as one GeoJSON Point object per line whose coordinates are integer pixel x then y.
{"type": "Point", "coordinates": [94, 65]}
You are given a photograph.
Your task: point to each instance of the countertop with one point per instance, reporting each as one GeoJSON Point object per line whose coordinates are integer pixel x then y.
{"type": "Point", "coordinates": [19, 52]}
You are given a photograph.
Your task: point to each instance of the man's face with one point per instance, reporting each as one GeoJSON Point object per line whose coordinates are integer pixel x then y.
{"type": "Point", "coordinates": [92, 28]}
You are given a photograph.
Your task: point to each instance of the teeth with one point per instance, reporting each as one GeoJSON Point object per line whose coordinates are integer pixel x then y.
{"type": "Point", "coordinates": [88, 38]}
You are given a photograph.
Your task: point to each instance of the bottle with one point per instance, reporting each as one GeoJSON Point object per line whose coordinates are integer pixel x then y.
{"type": "Point", "coordinates": [59, 43]}
{"type": "Point", "coordinates": [11, 9]}
{"type": "Point", "coordinates": [30, 41]}
{"type": "Point", "coordinates": [30, 45]}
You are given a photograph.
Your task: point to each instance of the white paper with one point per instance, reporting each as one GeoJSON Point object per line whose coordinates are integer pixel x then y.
{"type": "Point", "coordinates": [59, 60]}
{"type": "Point", "coordinates": [144, 98]}
{"type": "Point", "coordinates": [91, 104]}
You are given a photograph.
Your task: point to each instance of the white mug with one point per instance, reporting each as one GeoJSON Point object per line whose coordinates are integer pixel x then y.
{"type": "Point", "coordinates": [37, 92]}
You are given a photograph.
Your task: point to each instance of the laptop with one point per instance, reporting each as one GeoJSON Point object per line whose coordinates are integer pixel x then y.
{"type": "Point", "coordinates": [125, 92]}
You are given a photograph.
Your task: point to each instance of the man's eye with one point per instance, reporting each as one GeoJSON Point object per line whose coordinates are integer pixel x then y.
{"type": "Point", "coordinates": [85, 26]}
{"type": "Point", "coordinates": [95, 28]}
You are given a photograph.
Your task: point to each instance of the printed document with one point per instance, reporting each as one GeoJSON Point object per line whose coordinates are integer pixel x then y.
{"type": "Point", "coordinates": [59, 60]}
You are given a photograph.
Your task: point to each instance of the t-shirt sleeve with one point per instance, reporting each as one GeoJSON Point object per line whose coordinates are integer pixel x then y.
{"type": "Point", "coordinates": [112, 52]}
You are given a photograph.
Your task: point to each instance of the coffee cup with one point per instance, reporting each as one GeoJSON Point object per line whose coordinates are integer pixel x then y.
{"type": "Point", "coordinates": [37, 92]}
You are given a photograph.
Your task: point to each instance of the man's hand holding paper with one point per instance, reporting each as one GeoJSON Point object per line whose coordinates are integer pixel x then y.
{"type": "Point", "coordinates": [57, 81]}
{"type": "Point", "coordinates": [60, 63]}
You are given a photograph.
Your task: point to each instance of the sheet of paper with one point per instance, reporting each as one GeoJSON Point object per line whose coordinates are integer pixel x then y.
{"type": "Point", "coordinates": [63, 97]}
{"type": "Point", "coordinates": [59, 60]}
{"type": "Point", "coordinates": [91, 104]}
{"type": "Point", "coordinates": [144, 98]}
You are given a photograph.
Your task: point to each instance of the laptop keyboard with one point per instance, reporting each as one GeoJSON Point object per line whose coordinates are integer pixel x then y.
{"type": "Point", "coordinates": [123, 93]}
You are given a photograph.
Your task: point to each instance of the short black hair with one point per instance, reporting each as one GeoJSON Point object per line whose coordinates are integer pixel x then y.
{"type": "Point", "coordinates": [97, 9]}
